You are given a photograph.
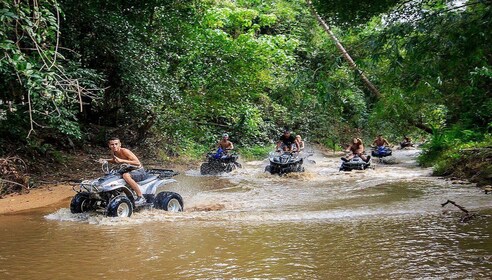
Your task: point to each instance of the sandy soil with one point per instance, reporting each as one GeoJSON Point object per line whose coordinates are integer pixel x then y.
{"type": "Point", "coordinates": [39, 197]}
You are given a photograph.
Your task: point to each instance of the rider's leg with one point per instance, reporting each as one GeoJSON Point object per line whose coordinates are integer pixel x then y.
{"type": "Point", "coordinates": [128, 178]}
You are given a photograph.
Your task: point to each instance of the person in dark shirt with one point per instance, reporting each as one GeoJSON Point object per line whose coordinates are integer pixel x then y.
{"type": "Point", "coordinates": [286, 141]}
{"type": "Point", "coordinates": [407, 142]}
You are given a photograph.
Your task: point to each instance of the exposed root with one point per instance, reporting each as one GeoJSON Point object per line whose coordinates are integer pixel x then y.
{"type": "Point", "coordinates": [14, 177]}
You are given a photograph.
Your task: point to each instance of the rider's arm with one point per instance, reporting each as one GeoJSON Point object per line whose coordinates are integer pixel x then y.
{"type": "Point", "coordinates": [132, 158]}
{"type": "Point", "coordinates": [360, 150]}
{"type": "Point", "coordinates": [102, 160]}
{"type": "Point", "coordinates": [231, 146]}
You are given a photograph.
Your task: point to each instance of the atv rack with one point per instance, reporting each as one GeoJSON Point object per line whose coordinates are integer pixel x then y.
{"type": "Point", "coordinates": [163, 173]}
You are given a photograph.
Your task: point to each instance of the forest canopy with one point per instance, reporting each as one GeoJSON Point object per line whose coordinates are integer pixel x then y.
{"type": "Point", "coordinates": [180, 73]}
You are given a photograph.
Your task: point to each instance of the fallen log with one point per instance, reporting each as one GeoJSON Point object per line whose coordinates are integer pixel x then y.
{"type": "Point", "coordinates": [466, 217]}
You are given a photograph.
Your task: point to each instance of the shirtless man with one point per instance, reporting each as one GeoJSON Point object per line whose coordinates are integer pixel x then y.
{"type": "Point", "coordinates": [224, 143]}
{"type": "Point", "coordinates": [357, 149]}
{"type": "Point", "coordinates": [380, 141]}
{"type": "Point", "coordinates": [122, 155]}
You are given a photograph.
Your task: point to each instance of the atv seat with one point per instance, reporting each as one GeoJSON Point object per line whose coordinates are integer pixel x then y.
{"type": "Point", "coordinates": [147, 178]}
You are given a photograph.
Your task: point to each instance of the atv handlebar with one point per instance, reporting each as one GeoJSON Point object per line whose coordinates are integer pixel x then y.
{"type": "Point", "coordinates": [123, 168]}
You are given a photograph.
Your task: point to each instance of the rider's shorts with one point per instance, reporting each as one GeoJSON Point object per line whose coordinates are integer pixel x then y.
{"type": "Point", "coordinates": [138, 174]}
{"type": "Point", "coordinates": [283, 146]}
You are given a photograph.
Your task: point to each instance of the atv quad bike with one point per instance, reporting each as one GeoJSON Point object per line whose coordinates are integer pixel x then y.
{"type": "Point", "coordinates": [355, 163]}
{"type": "Point", "coordinates": [284, 162]}
{"type": "Point", "coordinates": [219, 162]}
{"type": "Point", "coordinates": [112, 196]}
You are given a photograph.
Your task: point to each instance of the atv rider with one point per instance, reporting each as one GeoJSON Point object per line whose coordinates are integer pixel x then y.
{"type": "Point", "coordinates": [380, 141]}
{"type": "Point", "coordinates": [301, 143]}
{"type": "Point", "coordinates": [224, 145]}
{"type": "Point", "coordinates": [286, 141]}
{"type": "Point", "coordinates": [122, 155]}
{"type": "Point", "coordinates": [407, 142]}
{"type": "Point", "coordinates": [357, 149]}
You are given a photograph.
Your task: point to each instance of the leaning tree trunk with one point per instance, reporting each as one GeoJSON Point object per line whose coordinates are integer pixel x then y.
{"type": "Point", "coordinates": [345, 54]}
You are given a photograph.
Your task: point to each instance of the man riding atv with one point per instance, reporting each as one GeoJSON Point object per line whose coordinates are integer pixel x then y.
{"type": "Point", "coordinates": [225, 144]}
{"type": "Point", "coordinates": [122, 155]}
{"type": "Point", "coordinates": [356, 149]}
{"type": "Point", "coordinates": [287, 141]}
{"type": "Point", "coordinates": [380, 141]}
{"type": "Point", "coordinates": [407, 142]}
{"type": "Point", "coordinates": [222, 160]}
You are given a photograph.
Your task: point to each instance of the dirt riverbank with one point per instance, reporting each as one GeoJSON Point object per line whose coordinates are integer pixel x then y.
{"type": "Point", "coordinates": [39, 197]}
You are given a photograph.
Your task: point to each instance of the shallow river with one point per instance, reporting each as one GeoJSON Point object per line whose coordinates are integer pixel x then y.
{"type": "Point", "coordinates": [382, 223]}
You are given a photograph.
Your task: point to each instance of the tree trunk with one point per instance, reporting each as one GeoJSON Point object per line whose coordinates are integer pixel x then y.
{"type": "Point", "coordinates": [345, 54]}
{"type": "Point", "coordinates": [423, 127]}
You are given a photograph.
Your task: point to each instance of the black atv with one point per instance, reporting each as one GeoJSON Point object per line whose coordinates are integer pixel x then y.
{"type": "Point", "coordinates": [219, 163]}
{"type": "Point", "coordinates": [356, 163]}
{"type": "Point", "coordinates": [284, 162]}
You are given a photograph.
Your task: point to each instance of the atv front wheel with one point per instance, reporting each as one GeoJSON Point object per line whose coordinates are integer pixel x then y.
{"type": "Point", "coordinates": [120, 206]}
{"type": "Point", "coordinates": [80, 203]}
{"type": "Point", "coordinates": [169, 201]}
{"type": "Point", "coordinates": [229, 167]}
{"type": "Point", "coordinates": [205, 168]}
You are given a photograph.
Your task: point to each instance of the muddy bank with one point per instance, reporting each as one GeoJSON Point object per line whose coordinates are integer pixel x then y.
{"type": "Point", "coordinates": [474, 165]}
{"type": "Point", "coordinates": [42, 196]}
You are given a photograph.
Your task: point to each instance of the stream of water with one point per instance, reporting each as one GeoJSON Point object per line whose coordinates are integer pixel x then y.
{"type": "Point", "coordinates": [381, 223]}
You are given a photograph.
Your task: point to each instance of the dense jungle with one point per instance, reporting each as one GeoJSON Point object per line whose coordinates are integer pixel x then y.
{"type": "Point", "coordinates": [169, 77]}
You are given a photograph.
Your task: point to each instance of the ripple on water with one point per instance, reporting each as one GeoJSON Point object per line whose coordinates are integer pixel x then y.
{"type": "Point", "coordinates": [381, 223]}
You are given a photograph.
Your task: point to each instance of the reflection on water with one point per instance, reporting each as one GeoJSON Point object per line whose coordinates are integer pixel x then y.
{"type": "Point", "coordinates": [386, 222]}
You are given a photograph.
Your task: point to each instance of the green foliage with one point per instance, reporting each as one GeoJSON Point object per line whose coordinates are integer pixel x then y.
{"type": "Point", "coordinates": [39, 88]}
{"type": "Point", "coordinates": [185, 72]}
{"type": "Point", "coordinates": [255, 152]}
{"type": "Point", "coordinates": [444, 147]}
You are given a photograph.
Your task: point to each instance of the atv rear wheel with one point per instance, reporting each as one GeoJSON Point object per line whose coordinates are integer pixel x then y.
{"type": "Point", "coordinates": [169, 201]}
{"type": "Point", "coordinates": [120, 206]}
{"type": "Point", "coordinates": [80, 203]}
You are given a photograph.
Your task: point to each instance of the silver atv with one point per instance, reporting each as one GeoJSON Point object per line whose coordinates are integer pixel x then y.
{"type": "Point", "coordinates": [112, 196]}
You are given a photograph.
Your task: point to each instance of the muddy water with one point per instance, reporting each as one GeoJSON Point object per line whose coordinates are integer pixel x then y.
{"type": "Point", "coordinates": [385, 222]}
